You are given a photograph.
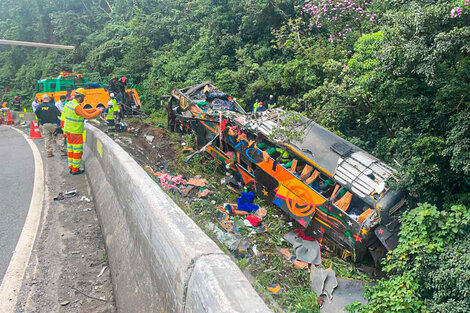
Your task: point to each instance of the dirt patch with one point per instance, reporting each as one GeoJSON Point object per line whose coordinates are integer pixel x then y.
{"type": "Point", "coordinates": [148, 144]}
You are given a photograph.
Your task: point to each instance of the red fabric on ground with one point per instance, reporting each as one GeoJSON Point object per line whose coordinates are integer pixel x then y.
{"type": "Point", "coordinates": [302, 235]}
{"type": "Point", "coordinates": [254, 220]}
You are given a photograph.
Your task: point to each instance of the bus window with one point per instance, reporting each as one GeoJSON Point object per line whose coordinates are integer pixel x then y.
{"type": "Point", "coordinates": [40, 87]}
{"type": "Point", "coordinates": [52, 86]}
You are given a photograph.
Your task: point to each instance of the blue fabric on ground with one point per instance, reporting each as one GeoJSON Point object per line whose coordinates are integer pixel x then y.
{"type": "Point", "coordinates": [245, 202]}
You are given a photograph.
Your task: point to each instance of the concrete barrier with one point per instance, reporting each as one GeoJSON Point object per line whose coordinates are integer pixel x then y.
{"type": "Point", "coordinates": [160, 260]}
{"type": "Point", "coordinates": [19, 117]}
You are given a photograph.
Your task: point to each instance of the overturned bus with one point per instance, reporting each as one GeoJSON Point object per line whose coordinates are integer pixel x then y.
{"type": "Point", "coordinates": [333, 189]}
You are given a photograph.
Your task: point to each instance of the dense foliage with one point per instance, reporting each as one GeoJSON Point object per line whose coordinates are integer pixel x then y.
{"type": "Point", "coordinates": [393, 77]}
{"type": "Point", "coordinates": [430, 268]}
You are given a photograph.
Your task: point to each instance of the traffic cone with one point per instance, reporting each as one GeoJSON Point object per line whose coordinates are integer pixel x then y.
{"type": "Point", "coordinates": [9, 119]}
{"type": "Point", "coordinates": [34, 132]}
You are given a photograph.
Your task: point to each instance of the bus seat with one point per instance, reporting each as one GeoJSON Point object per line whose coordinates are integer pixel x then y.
{"type": "Point", "coordinates": [241, 137]}
{"type": "Point", "coordinates": [344, 202]}
{"type": "Point", "coordinates": [305, 171]}
{"type": "Point", "coordinates": [312, 177]}
{"type": "Point", "coordinates": [293, 167]}
{"type": "Point", "coordinates": [364, 215]}
{"type": "Point", "coordinates": [266, 156]}
{"type": "Point", "coordinates": [334, 192]}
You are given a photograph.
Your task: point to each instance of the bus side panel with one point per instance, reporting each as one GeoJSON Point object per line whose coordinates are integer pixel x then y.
{"type": "Point", "coordinates": [301, 202]}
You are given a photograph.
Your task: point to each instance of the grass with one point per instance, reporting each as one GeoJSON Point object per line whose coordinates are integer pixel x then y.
{"type": "Point", "coordinates": [267, 268]}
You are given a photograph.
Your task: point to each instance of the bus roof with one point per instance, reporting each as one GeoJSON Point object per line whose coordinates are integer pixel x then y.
{"type": "Point", "coordinates": [348, 164]}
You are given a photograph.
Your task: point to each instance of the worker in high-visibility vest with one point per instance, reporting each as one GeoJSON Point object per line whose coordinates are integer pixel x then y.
{"type": "Point", "coordinates": [75, 116]}
{"type": "Point", "coordinates": [111, 109]}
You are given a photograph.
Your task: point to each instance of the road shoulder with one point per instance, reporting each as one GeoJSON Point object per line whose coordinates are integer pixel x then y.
{"type": "Point", "coordinates": [63, 274]}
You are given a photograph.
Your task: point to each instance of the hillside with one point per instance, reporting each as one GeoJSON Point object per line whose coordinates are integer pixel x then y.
{"type": "Point", "coordinates": [393, 77]}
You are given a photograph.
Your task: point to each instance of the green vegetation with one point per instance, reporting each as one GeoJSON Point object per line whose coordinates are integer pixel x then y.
{"type": "Point", "coordinates": [430, 268]}
{"type": "Point", "coordinates": [390, 76]}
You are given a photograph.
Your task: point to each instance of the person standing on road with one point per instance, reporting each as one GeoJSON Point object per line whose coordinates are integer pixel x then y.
{"type": "Point", "coordinates": [35, 103]}
{"type": "Point", "coordinates": [60, 104]}
{"type": "Point", "coordinates": [75, 116]}
{"type": "Point", "coordinates": [48, 115]}
{"type": "Point", "coordinates": [16, 104]}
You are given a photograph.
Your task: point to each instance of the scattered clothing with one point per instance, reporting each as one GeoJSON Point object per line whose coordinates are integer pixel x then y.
{"type": "Point", "coordinates": [304, 250]}
{"type": "Point", "coordinates": [245, 202]}
{"type": "Point", "coordinates": [171, 182]}
{"type": "Point", "coordinates": [254, 220]}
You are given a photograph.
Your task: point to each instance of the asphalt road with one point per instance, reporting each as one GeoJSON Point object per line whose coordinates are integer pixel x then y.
{"type": "Point", "coordinates": [16, 188]}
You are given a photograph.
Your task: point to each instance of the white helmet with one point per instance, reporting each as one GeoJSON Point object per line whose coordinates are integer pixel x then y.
{"type": "Point", "coordinates": [111, 95]}
{"type": "Point", "coordinates": [46, 97]}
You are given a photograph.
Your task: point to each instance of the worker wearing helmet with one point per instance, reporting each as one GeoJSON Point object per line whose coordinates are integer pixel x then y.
{"type": "Point", "coordinates": [75, 116]}
{"type": "Point", "coordinates": [16, 104]}
{"type": "Point", "coordinates": [111, 109]}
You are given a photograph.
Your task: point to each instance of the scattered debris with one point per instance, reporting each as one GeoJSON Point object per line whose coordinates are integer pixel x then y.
{"type": "Point", "coordinates": [87, 209]}
{"type": "Point", "coordinates": [234, 242]}
{"type": "Point", "coordinates": [304, 250]}
{"type": "Point", "coordinates": [275, 289]}
{"type": "Point", "coordinates": [285, 252]}
{"type": "Point", "coordinates": [255, 250]}
{"type": "Point", "coordinates": [88, 296]}
{"type": "Point", "coordinates": [323, 281]}
{"type": "Point", "coordinates": [149, 138]}
{"type": "Point", "coordinates": [187, 149]}
{"type": "Point", "coordinates": [102, 271]}
{"type": "Point", "coordinates": [188, 189]}
{"type": "Point", "coordinates": [197, 181]}
{"type": "Point", "coordinates": [172, 182]}
{"type": "Point", "coordinates": [66, 195]}
{"type": "Point", "coordinates": [299, 265]}
{"type": "Point", "coordinates": [83, 198]}
{"type": "Point", "coordinates": [227, 225]}
{"type": "Point", "coordinates": [254, 220]}
{"type": "Point", "coordinates": [203, 193]}
{"type": "Point", "coordinates": [64, 303]}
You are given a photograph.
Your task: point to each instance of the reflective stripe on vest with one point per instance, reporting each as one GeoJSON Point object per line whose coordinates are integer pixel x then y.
{"type": "Point", "coordinates": [62, 116]}
{"type": "Point", "coordinates": [74, 123]}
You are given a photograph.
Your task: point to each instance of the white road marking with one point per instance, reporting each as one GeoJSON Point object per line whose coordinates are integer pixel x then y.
{"type": "Point", "coordinates": [12, 281]}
